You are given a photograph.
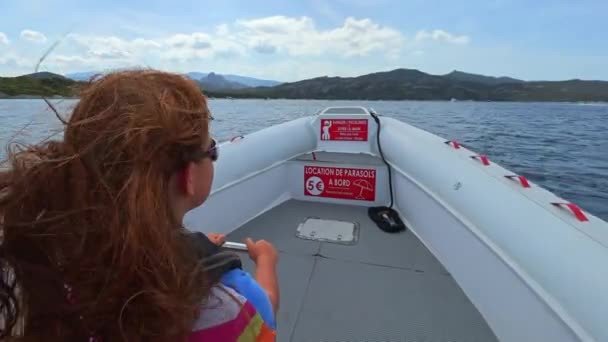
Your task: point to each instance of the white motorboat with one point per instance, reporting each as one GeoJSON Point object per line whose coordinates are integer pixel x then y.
{"type": "Point", "coordinates": [487, 255]}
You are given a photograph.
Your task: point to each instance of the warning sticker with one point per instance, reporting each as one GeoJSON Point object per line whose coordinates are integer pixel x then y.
{"type": "Point", "coordinates": [338, 182]}
{"type": "Point", "coordinates": [344, 129]}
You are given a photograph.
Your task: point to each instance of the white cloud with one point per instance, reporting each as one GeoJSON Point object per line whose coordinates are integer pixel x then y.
{"type": "Point", "coordinates": [100, 44]}
{"type": "Point", "coordinates": [3, 39]}
{"type": "Point", "coordinates": [179, 47]}
{"type": "Point", "coordinates": [339, 47]}
{"type": "Point", "coordinates": [300, 37]}
{"type": "Point", "coordinates": [441, 36]}
{"type": "Point", "coordinates": [33, 36]}
{"type": "Point", "coordinates": [63, 60]}
{"type": "Point", "coordinates": [114, 50]}
{"type": "Point", "coordinates": [278, 25]}
{"type": "Point", "coordinates": [293, 36]}
{"type": "Point", "coordinates": [191, 40]}
{"type": "Point", "coordinates": [197, 45]}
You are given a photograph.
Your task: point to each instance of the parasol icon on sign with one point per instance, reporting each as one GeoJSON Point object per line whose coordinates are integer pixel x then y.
{"type": "Point", "coordinates": [363, 185]}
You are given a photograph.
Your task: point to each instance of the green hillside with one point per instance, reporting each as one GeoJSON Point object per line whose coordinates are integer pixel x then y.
{"type": "Point", "coordinates": [38, 84]}
{"type": "Point", "coordinates": [399, 84]}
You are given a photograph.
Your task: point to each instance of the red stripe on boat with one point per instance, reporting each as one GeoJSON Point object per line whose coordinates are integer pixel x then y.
{"type": "Point", "coordinates": [522, 180]}
{"type": "Point", "coordinates": [578, 213]}
{"type": "Point", "coordinates": [484, 160]}
{"type": "Point", "coordinates": [453, 143]}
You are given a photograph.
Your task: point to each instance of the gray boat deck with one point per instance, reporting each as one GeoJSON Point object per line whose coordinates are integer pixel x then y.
{"type": "Point", "coordinates": [386, 287]}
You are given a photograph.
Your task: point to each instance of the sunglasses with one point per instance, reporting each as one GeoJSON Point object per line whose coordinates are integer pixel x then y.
{"type": "Point", "coordinates": [213, 151]}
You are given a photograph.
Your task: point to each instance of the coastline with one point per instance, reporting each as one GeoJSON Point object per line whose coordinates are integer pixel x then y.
{"type": "Point", "coordinates": [580, 103]}
{"type": "Point", "coordinates": [395, 85]}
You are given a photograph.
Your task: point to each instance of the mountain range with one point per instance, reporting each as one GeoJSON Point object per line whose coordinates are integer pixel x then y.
{"type": "Point", "coordinates": [411, 84]}
{"type": "Point", "coordinates": [216, 81]}
{"type": "Point", "coordinates": [213, 81]}
{"type": "Point", "coordinates": [244, 81]}
{"type": "Point", "coordinates": [398, 84]}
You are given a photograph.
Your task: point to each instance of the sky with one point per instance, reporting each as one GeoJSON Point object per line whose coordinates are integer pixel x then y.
{"type": "Point", "coordinates": [289, 40]}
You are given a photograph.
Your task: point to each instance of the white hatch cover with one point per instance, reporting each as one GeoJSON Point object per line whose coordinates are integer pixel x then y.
{"type": "Point", "coordinates": [329, 231]}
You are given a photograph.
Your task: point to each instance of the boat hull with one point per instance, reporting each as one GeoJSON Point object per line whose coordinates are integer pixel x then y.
{"type": "Point", "coordinates": [532, 269]}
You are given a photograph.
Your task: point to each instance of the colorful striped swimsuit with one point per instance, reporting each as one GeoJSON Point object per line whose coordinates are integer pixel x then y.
{"type": "Point", "coordinates": [231, 316]}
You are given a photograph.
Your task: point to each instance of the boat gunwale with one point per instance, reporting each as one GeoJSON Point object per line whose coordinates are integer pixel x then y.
{"type": "Point", "coordinates": [549, 300]}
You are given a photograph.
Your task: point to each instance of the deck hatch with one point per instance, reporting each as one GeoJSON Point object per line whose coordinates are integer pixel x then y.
{"type": "Point", "coordinates": [334, 231]}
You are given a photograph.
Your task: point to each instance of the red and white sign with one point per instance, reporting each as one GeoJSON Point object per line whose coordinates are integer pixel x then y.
{"type": "Point", "coordinates": [344, 129]}
{"type": "Point", "coordinates": [339, 182]}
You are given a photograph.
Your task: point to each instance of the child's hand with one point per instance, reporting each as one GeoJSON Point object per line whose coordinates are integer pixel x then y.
{"type": "Point", "coordinates": [266, 258]}
{"type": "Point", "coordinates": [216, 238]}
{"type": "Point", "coordinates": [262, 251]}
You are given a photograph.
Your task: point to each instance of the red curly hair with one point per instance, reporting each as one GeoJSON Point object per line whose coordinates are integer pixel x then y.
{"type": "Point", "coordinates": [89, 244]}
